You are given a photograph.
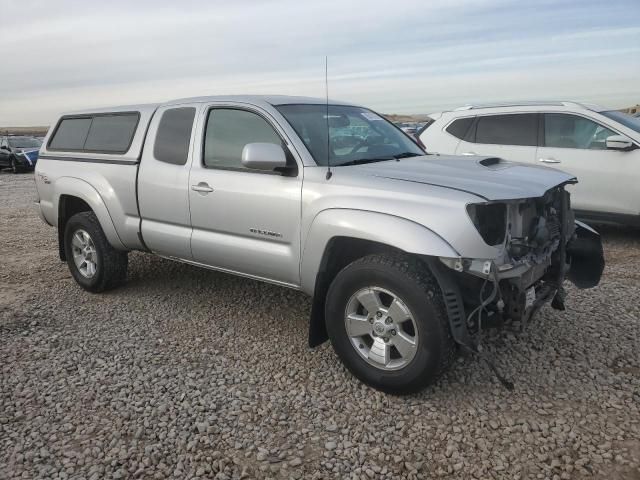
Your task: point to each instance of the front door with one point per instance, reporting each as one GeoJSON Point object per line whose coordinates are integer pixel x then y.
{"type": "Point", "coordinates": [607, 179]}
{"type": "Point", "coordinates": [244, 221]}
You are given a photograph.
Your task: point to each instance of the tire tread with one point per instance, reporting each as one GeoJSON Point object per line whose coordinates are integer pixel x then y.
{"type": "Point", "coordinates": [419, 273]}
{"type": "Point", "coordinates": [114, 262]}
{"type": "Point", "coordinates": [416, 275]}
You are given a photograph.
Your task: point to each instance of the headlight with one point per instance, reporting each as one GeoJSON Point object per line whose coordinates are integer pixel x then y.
{"type": "Point", "coordinates": [490, 219]}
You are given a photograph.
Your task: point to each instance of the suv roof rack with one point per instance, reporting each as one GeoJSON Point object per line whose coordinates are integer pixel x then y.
{"type": "Point", "coordinates": [521, 104]}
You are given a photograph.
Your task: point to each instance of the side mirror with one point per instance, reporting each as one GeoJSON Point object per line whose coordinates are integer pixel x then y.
{"type": "Point", "coordinates": [619, 142]}
{"type": "Point", "coordinates": [263, 156]}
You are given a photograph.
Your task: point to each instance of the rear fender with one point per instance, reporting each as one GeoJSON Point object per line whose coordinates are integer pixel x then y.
{"type": "Point", "coordinates": [79, 188]}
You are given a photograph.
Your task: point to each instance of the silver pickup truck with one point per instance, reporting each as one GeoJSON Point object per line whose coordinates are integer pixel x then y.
{"type": "Point", "coordinates": [406, 255]}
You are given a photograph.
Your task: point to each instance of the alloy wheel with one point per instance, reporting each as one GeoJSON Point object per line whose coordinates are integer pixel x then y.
{"type": "Point", "coordinates": [84, 253]}
{"type": "Point", "coordinates": [381, 328]}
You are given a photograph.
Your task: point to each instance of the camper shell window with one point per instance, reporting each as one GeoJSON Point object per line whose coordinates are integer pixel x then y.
{"type": "Point", "coordinates": [95, 133]}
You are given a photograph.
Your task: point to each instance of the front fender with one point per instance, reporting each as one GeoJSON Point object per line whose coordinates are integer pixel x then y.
{"type": "Point", "coordinates": [76, 187]}
{"type": "Point", "coordinates": [366, 225]}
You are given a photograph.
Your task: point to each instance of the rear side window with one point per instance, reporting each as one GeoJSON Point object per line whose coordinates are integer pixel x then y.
{"type": "Point", "coordinates": [106, 133]}
{"type": "Point", "coordinates": [111, 133]}
{"type": "Point", "coordinates": [516, 129]}
{"type": "Point", "coordinates": [174, 135]}
{"type": "Point", "coordinates": [71, 134]}
{"type": "Point", "coordinates": [228, 131]}
{"type": "Point", "coordinates": [460, 127]}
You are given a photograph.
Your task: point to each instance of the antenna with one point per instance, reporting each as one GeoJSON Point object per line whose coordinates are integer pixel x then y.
{"type": "Point", "coordinates": [326, 90]}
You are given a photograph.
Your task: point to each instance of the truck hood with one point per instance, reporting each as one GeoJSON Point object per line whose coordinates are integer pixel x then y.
{"type": "Point", "coordinates": [489, 178]}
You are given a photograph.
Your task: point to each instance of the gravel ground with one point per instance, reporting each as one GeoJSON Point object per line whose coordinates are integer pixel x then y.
{"type": "Point", "coordinates": [186, 373]}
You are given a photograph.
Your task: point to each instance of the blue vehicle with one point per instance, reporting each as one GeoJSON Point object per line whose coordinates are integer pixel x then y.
{"type": "Point", "coordinates": [19, 152]}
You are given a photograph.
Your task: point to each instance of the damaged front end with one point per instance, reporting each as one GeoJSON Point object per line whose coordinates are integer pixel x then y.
{"type": "Point", "coordinates": [539, 244]}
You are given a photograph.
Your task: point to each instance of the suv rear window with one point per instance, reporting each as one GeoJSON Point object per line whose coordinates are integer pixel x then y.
{"type": "Point", "coordinates": [515, 129]}
{"type": "Point", "coordinates": [107, 133]}
{"type": "Point", "coordinates": [460, 127]}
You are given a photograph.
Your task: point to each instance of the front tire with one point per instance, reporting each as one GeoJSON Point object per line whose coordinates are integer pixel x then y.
{"type": "Point", "coordinates": [95, 265]}
{"type": "Point", "coordinates": [387, 322]}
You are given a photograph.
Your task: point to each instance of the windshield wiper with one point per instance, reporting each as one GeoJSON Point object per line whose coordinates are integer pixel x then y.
{"type": "Point", "coordinates": [361, 161]}
{"type": "Point", "coordinates": [407, 155]}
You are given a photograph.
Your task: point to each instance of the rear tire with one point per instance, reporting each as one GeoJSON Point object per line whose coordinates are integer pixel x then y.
{"type": "Point", "coordinates": [417, 350]}
{"type": "Point", "coordinates": [95, 265]}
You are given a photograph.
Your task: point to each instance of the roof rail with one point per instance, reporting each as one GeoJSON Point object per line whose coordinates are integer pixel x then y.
{"type": "Point", "coordinates": [521, 104]}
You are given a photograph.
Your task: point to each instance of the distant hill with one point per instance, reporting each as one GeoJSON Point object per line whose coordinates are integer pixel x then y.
{"type": "Point", "coordinates": [29, 131]}
{"type": "Point", "coordinates": [392, 117]}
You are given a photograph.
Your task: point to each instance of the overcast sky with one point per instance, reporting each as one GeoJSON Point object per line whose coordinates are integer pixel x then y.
{"type": "Point", "coordinates": [393, 56]}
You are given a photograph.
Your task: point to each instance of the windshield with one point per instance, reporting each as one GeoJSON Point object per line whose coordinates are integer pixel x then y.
{"type": "Point", "coordinates": [24, 142]}
{"type": "Point", "coordinates": [356, 135]}
{"type": "Point", "coordinates": [625, 119]}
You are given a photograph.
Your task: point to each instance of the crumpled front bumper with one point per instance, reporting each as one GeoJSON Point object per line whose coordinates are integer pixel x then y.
{"type": "Point", "coordinates": [579, 258]}
{"type": "Point", "coordinates": [523, 287]}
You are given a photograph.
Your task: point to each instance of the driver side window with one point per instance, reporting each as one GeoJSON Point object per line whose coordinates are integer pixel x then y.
{"type": "Point", "coordinates": [572, 131]}
{"type": "Point", "coordinates": [228, 130]}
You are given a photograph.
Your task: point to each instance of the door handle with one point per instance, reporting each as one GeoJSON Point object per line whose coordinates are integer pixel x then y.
{"type": "Point", "coordinates": [549, 160]}
{"type": "Point", "coordinates": [469, 153]}
{"type": "Point", "coordinates": [202, 187]}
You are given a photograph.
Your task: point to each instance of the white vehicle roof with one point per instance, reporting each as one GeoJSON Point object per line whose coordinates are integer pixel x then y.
{"type": "Point", "coordinates": [532, 103]}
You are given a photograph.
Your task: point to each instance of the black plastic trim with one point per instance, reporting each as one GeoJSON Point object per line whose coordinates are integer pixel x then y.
{"type": "Point", "coordinates": [541, 129]}
{"type": "Point", "coordinates": [453, 302]}
{"type": "Point", "coordinates": [87, 160]}
{"type": "Point", "coordinates": [587, 258]}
